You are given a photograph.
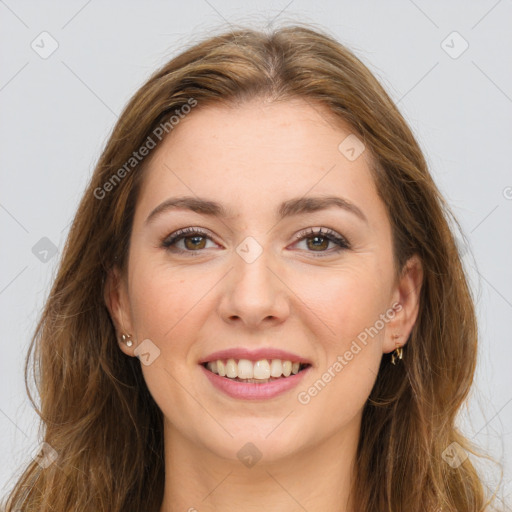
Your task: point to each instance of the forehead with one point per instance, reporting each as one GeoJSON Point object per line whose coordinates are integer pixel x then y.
{"type": "Point", "coordinates": [253, 155]}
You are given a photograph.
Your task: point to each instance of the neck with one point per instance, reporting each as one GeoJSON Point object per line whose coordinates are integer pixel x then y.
{"type": "Point", "coordinates": [316, 479]}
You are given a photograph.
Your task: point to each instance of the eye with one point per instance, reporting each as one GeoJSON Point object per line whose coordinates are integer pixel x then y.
{"type": "Point", "coordinates": [320, 240]}
{"type": "Point", "coordinates": [193, 238]}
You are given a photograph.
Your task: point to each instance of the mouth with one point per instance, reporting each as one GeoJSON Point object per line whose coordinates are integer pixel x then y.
{"type": "Point", "coordinates": [261, 371]}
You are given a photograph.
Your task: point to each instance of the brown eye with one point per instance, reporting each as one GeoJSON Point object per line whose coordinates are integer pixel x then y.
{"type": "Point", "coordinates": [318, 241]}
{"type": "Point", "coordinates": [194, 240]}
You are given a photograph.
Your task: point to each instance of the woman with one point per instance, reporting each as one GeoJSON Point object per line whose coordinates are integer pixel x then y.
{"type": "Point", "coordinates": [260, 304]}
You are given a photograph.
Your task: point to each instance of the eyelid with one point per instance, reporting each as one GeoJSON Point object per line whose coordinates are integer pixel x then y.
{"type": "Point", "coordinates": [321, 231]}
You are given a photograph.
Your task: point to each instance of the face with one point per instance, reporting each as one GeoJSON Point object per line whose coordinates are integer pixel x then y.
{"type": "Point", "coordinates": [255, 280]}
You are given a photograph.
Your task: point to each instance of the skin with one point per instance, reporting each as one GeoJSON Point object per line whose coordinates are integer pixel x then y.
{"type": "Point", "coordinates": [250, 158]}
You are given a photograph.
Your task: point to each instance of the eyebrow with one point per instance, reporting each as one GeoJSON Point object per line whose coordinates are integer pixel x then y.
{"type": "Point", "coordinates": [291, 207]}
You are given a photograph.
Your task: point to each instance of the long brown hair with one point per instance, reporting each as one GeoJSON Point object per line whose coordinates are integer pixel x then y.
{"type": "Point", "coordinates": [96, 410]}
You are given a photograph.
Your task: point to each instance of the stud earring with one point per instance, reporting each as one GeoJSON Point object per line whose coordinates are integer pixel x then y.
{"type": "Point", "coordinates": [126, 338]}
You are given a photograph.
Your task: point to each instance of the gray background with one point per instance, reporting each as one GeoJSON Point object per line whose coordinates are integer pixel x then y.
{"type": "Point", "coordinates": [57, 112]}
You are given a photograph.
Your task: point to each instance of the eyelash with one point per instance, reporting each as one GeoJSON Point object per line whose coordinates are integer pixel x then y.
{"type": "Point", "coordinates": [329, 234]}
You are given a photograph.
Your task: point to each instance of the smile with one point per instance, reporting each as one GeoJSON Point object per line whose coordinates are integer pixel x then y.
{"type": "Point", "coordinates": [254, 380]}
{"type": "Point", "coordinates": [254, 372]}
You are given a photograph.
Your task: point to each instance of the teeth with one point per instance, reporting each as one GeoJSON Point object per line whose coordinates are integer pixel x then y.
{"type": "Point", "coordinates": [245, 369]}
{"type": "Point", "coordinates": [258, 371]}
{"type": "Point", "coordinates": [276, 368]}
{"type": "Point", "coordinates": [231, 369]}
{"type": "Point", "coordinates": [261, 369]}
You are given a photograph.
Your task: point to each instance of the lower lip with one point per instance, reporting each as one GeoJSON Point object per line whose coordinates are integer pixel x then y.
{"type": "Point", "coordinates": [249, 391]}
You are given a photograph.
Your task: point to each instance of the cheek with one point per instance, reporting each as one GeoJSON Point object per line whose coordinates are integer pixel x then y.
{"type": "Point", "coordinates": [165, 298]}
{"type": "Point", "coordinates": [351, 304]}
{"type": "Point", "coordinates": [169, 306]}
{"type": "Point", "coordinates": [347, 300]}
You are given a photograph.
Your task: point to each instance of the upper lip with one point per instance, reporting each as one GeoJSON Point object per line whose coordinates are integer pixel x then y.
{"type": "Point", "coordinates": [254, 355]}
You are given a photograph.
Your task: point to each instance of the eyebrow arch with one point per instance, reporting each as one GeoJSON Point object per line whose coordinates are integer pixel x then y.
{"type": "Point", "coordinates": [291, 207]}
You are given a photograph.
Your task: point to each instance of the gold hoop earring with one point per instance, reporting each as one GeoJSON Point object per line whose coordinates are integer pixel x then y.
{"type": "Point", "coordinates": [126, 338]}
{"type": "Point", "coordinates": [397, 354]}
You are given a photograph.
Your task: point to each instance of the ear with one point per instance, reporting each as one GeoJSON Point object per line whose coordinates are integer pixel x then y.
{"type": "Point", "coordinates": [405, 304]}
{"type": "Point", "coordinates": [115, 294]}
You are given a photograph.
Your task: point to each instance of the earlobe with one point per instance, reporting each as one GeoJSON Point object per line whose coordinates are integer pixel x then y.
{"type": "Point", "coordinates": [116, 303]}
{"type": "Point", "coordinates": [407, 294]}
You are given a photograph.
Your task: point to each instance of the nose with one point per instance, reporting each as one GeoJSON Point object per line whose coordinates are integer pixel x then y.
{"type": "Point", "coordinates": [255, 294]}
